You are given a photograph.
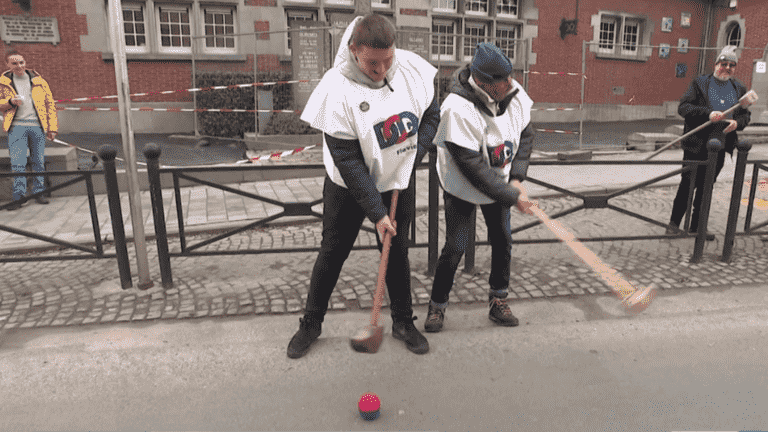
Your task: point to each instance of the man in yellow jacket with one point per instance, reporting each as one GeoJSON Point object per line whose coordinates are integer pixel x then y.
{"type": "Point", "coordinates": [29, 112]}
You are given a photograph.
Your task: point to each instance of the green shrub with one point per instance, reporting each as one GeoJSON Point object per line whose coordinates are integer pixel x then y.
{"type": "Point", "coordinates": [288, 124]}
{"type": "Point", "coordinates": [236, 124]}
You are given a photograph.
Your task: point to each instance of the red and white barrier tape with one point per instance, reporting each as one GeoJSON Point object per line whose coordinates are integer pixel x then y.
{"type": "Point", "coordinates": [227, 87]}
{"type": "Point", "coordinates": [223, 110]}
{"type": "Point", "coordinates": [558, 131]}
{"type": "Point", "coordinates": [277, 155]}
{"type": "Point", "coordinates": [555, 73]}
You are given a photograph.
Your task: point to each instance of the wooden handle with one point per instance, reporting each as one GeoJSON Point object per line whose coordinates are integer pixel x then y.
{"type": "Point", "coordinates": [378, 296]}
{"type": "Point", "coordinates": [618, 284]}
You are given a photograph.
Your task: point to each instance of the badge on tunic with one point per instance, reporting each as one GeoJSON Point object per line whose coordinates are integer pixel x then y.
{"type": "Point", "coordinates": [364, 106]}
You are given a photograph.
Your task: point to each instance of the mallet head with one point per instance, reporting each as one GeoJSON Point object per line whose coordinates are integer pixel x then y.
{"type": "Point", "coordinates": [639, 300]}
{"type": "Point", "coordinates": [368, 339]}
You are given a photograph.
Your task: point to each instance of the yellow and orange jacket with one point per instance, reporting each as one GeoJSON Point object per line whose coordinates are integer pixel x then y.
{"type": "Point", "coordinates": [45, 106]}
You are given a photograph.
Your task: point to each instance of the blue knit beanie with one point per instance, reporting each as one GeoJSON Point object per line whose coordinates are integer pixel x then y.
{"type": "Point", "coordinates": [490, 63]}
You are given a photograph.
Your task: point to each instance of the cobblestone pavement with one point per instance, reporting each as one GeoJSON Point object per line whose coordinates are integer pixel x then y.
{"type": "Point", "coordinates": [76, 292]}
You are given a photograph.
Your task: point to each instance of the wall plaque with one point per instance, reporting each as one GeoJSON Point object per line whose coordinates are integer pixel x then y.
{"type": "Point", "coordinates": [18, 28]}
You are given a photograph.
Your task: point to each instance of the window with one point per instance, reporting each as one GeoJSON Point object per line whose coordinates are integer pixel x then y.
{"type": "Point", "coordinates": [134, 28]}
{"type": "Point", "coordinates": [381, 3]}
{"type": "Point", "coordinates": [175, 29]}
{"type": "Point", "coordinates": [476, 7]}
{"type": "Point", "coordinates": [631, 37]}
{"type": "Point", "coordinates": [443, 41]}
{"type": "Point", "coordinates": [505, 39]}
{"type": "Point", "coordinates": [474, 33]}
{"type": "Point", "coordinates": [444, 5]}
{"type": "Point", "coordinates": [341, 2]}
{"type": "Point", "coordinates": [219, 27]}
{"type": "Point", "coordinates": [293, 16]}
{"type": "Point", "coordinates": [733, 35]}
{"type": "Point", "coordinates": [506, 8]}
{"type": "Point", "coordinates": [161, 28]}
{"type": "Point", "coordinates": [620, 35]}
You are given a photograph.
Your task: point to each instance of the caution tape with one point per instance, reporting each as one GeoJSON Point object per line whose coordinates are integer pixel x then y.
{"type": "Point", "coordinates": [220, 110]}
{"type": "Point", "coordinates": [165, 92]}
{"type": "Point", "coordinates": [277, 155]}
{"type": "Point", "coordinates": [558, 131]}
{"type": "Point", "coordinates": [555, 73]}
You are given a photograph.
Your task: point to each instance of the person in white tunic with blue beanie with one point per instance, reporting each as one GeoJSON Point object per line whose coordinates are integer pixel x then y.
{"type": "Point", "coordinates": [484, 143]}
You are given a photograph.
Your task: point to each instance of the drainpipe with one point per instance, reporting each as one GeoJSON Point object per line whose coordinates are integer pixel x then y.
{"type": "Point", "coordinates": [708, 20]}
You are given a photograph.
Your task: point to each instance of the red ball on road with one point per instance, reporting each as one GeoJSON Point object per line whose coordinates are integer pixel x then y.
{"type": "Point", "coordinates": [369, 406]}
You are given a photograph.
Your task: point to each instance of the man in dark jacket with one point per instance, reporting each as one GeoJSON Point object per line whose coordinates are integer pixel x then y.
{"type": "Point", "coordinates": [484, 142]}
{"type": "Point", "coordinates": [706, 99]}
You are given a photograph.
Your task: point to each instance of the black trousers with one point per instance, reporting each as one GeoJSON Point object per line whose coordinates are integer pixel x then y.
{"type": "Point", "coordinates": [457, 224]}
{"type": "Point", "coordinates": [342, 219]}
{"type": "Point", "coordinates": [680, 203]}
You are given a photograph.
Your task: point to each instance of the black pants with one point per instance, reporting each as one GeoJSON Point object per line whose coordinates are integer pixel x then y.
{"type": "Point", "coordinates": [680, 204]}
{"type": "Point", "coordinates": [342, 219]}
{"type": "Point", "coordinates": [457, 224]}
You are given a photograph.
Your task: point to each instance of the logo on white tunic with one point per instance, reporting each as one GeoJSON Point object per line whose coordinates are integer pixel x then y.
{"type": "Point", "coordinates": [396, 129]}
{"type": "Point", "coordinates": [364, 106]}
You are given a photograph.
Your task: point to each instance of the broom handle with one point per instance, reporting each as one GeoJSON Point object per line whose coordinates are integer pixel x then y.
{"type": "Point", "coordinates": [378, 297]}
{"type": "Point", "coordinates": [617, 283]}
{"type": "Point", "coordinates": [691, 132]}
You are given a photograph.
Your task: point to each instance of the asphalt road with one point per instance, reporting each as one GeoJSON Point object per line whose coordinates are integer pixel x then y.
{"type": "Point", "coordinates": [695, 360]}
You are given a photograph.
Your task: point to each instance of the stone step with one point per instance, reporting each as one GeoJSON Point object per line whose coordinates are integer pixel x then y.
{"type": "Point", "coordinates": [649, 141]}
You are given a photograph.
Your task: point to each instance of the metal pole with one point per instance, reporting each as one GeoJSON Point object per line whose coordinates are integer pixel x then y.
{"type": "Point", "coordinates": [713, 147]}
{"type": "Point", "coordinates": [733, 212]}
{"type": "Point", "coordinates": [256, 79]}
{"type": "Point", "coordinates": [107, 154]}
{"type": "Point", "coordinates": [129, 147]}
{"type": "Point", "coordinates": [152, 154]}
{"type": "Point", "coordinates": [581, 105]}
{"type": "Point", "coordinates": [194, 85]}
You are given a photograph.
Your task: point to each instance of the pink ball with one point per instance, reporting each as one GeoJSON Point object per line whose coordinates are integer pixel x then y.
{"type": "Point", "coordinates": [369, 406]}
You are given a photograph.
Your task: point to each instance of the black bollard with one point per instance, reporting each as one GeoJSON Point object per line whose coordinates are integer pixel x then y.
{"type": "Point", "coordinates": [743, 147]}
{"type": "Point", "coordinates": [713, 147]}
{"type": "Point", "coordinates": [107, 154]}
{"type": "Point", "coordinates": [152, 154]}
{"type": "Point", "coordinates": [434, 208]}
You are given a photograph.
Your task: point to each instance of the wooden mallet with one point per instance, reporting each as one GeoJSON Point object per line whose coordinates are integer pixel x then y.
{"type": "Point", "coordinates": [750, 97]}
{"type": "Point", "coordinates": [635, 300]}
{"type": "Point", "coordinates": [368, 339]}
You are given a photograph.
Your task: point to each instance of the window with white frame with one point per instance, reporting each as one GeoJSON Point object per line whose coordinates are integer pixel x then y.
{"type": "Point", "coordinates": [733, 34]}
{"type": "Point", "coordinates": [444, 5]}
{"type": "Point", "coordinates": [175, 29]}
{"type": "Point", "coordinates": [630, 36]}
{"type": "Point", "coordinates": [474, 33]}
{"type": "Point", "coordinates": [505, 39]}
{"type": "Point", "coordinates": [443, 40]}
{"type": "Point", "coordinates": [160, 27]}
{"type": "Point", "coordinates": [134, 28]}
{"type": "Point", "coordinates": [476, 7]}
{"type": "Point", "coordinates": [294, 16]}
{"type": "Point", "coordinates": [621, 36]}
{"type": "Point", "coordinates": [219, 29]}
{"type": "Point", "coordinates": [381, 3]}
{"type": "Point", "coordinates": [506, 8]}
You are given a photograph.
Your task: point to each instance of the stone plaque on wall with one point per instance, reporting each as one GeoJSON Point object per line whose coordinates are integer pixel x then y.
{"type": "Point", "coordinates": [18, 28]}
{"type": "Point", "coordinates": [307, 49]}
{"type": "Point", "coordinates": [415, 40]}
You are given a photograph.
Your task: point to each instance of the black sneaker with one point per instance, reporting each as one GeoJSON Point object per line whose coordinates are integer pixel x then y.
{"type": "Point", "coordinates": [672, 230]}
{"type": "Point", "coordinates": [500, 313]}
{"type": "Point", "coordinates": [404, 330]}
{"type": "Point", "coordinates": [435, 317]}
{"type": "Point", "coordinates": [15, 206]}
{"type": "Point", "coordinates": [309, 331]}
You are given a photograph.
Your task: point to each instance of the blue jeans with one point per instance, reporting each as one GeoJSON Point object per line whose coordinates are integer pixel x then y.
{"type": "Point", "coordinates": [17, 146]}
{"type": "Point", "coordinates": [457, 223]}
{"type": "Point", "coordinates": [342, 219]}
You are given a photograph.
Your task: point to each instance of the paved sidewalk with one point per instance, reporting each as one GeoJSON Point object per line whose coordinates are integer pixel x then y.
{"type": "Point", "coordinates": [38, 294]}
